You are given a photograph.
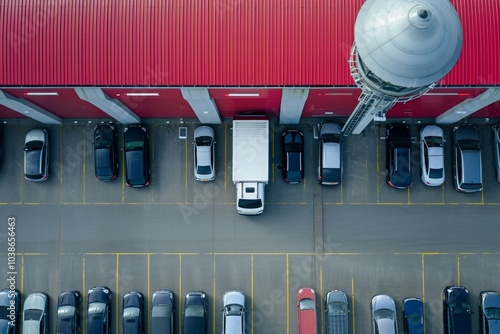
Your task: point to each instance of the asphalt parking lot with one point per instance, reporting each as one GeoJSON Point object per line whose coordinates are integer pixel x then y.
{"type": "Point", "coordinates": [363, 237]}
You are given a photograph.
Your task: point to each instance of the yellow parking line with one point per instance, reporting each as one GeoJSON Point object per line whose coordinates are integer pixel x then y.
{"type": "Point", "coordinates": [84, 323]}
{"type": "Point", "coordinates": [423, 287]}
{"type": "Point", "coordinates": [180, 292]}
{"type": "Point", "coordinates": [287, 297]}
{"type": "Point", "coordinates": [22, 274]}
{"type": "Point", "coordinates": [458, 269]}
{"type": "Point", "coordinates": [353, 309]}
{"type": "Point", "coordinates": [321, 302]}
{"type": "Point", "coordinates": [213, 300]}
{"type": "Point", "coordinates": [251, 290]}
{"type": "Point", "coordinates": [116, 293]}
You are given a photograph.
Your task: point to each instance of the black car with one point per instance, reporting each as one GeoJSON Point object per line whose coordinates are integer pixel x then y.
{"type": "Point", "coordinates": [456, 310]}
{"type": "Point", "coordinates": [489, 312]}
{"type": "Point", "coordinates": [105, 152]}
{"type": "Point", "coordinates": [10, 309]}
{"type": "Point", "coordinates": [195, 313]}
{"type": "Point", "coordinates": [136, 155]}
{"type": "Point", "coordinates": [162, 312]}
{"type": "Point", "coordinates": [36, 155]}
{"type": "Point", "coordinates": [292, 156]}
{"type": "Point", "coordinates": [336, 313]}
{"type": "Point", "coordinates": [467, 165]}
{"type": "Point", "coordinates": [398, 156]}
{"type": "Point", "coordinates": [68, 312]}
{"type": "Point", "coordinates": [133, 313]}
{"type": "Point", "coordinates": [99, 310]}
{"type": "Point", "coordinates": [413, 315]}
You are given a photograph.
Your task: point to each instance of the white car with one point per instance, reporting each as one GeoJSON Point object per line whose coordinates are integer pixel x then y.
{"type": "Point", "coordinates": [233, 314]}
{"type": "Point", "coordinates": [204, 153]}
{"type": "Point", "coordinates": [432, 155]}
{"type": "Point", "coordinates": [496, 149]}
{"type": "Point", "coordinates": [36, 314]}
{"type": "Point", "coordinates": [384, 319]}
{"type": "Point", "coordinates": [36, 155]}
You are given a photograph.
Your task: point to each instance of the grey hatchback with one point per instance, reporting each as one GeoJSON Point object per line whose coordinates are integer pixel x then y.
{"type": "Point", "coordinates": [467, 166]}
{"type": "Point", "coordinates": [36, 155]}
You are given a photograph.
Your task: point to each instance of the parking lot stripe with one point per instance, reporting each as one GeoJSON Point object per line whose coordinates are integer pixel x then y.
{"type": "Point", "coordinates": [213, 299]}
{"type": "Point", "coordinates": [287, 297]}
{"type": "Point", "coordinates": [117, 324]}
{"type": "Point", "coordinates": [423, 287]}
{"type": "Point", "coordinates": [149, 292]}
{"type": "Point", "coordinates": [251, 290]}
{"type": "Point", "coordinates": [22, 273]}
{"type": "Point", "coordinates": [84, 295]}
{"type": "Point", "coordinates": [225, 160]}
{"type": "Point", "coordinates": [321, 302]}
{"type": "Point", "coordinates": [353, 309]}
{"type": "Point", "coordinates": [84, 169]}
{"type": "Point", "coordinates": [458, 269]}
{"type": "Point", "coordinates": [186, 171]}
{"type": "Point", "coordinates": [179, 314]}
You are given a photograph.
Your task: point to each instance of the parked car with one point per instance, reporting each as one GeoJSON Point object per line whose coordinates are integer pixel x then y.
{"type": "Point", "coordinates": [162, 312]}
{"type": "Point", "coordinates": [99, 310]}
{"type": "Point", "coordinates": [204, 153]}
{"type": "Point", "coordinates": [306, 311]}
{"type": "Point", "coordinates": [432, 155]}
{"type": "Point", "coordinates": [456, 310]}
{"type": "Point", "coordinates": [330, 167]}
{"type": "Point", "coordinates": [10, 308]}
{"type": "Point", "coordinates": [337, 313]}
{"type": "Point", "coordinates": [292, 156]}
{"type": "Point", "coordinates": [496, 149]}
{"type": "Point", "coordinates": [413, 315]}
{"type": "Point", "coordinates": [398, 156]}
{"type": "Point", "coordinates": [36, 317]}
{"type": "Point", "coordinates": [233, 314]}
{"type": "Point", "coordinates": [384, 316]}
{"type": "Point", "coordinates": [133, 313]}
{"type": "Point", "coordinates": [68, 312]}
{"type": "Point", "coordinates": [489, 312]}
{"type": "Point", "coordinates": [36, 155]}
{"type": "Point", "coordinates": [195, 315]}
{"type": "Point", "coordinates": [136, 148]}
{"type": "Point", "coordinates": [105, 152]}
{"type": "Point", "coordinates": [467, 165]}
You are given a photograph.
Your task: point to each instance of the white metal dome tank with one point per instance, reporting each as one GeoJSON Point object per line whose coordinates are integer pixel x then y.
{"type": "Point", "coordinates": [406, 43]}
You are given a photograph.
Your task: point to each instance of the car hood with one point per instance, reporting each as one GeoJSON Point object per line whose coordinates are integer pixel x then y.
{"type": "Point", "coordinates": [98, 296]}
{"type": "Point", "coordinates": [493, 300]}
{"type": "Point", "coordinates": [336, 296]}
{"type": "Point", "coordinates": [234, 297]}
{"type": "Point", "coordinates": [35, 301]}
{"type": "Point", "coordinates": [132, 301]}
{"type": "Point", "coordinates": [203, 131]}
{"type": "Point", "coordinates": [67, 299]}
{"type": "Point", "coordinates": [35, 134]}
{"type": "Point", "coordinates": [383, 302]}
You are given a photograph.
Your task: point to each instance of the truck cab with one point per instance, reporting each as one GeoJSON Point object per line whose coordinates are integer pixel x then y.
{"type": "Point", "coordinates": [250, 198]}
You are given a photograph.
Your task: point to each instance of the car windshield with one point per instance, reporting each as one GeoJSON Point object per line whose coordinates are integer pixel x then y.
{"type": "Point", "coordinates": [95, 308]}
{"type": "Point", "coordinates": [492, 313]}
{"type": "Point", "coordinates": [337, 308]}
{"type": "Point", "coordinates": [103, 143]}
{"type": "Point", "coordinates": [307, 304]}
{"type": "Point", "coordinates": [33, 314]}
{"type": "Point", "coordinates": [161, 311]}
{"type": "Point", "coordinates": [233, 309]}
{"type": "Point", "coordinates": [65, 311]}
{"type": "Point", "coordinates": [467, 144]}
{"type": "Point", "coordinates": [459, 308]}
{"type": "Point", "coordinates": [203, 141]}
{"type": "Point", "coordinates": [204, 170]}
{"type": "Point", "coordinates": [435, 173]}
{"type": "Point", "coordinates": [194, 311]}
{"type": "Point", "coordinates": [331, 138]}
{"type": "Point", "coordinates": [134, 145]}
{"type": "Point", "coordinates": [34, 145]}
{"type": "Point", "coordinates": [384, 314]}
{"type": "Point", "coordinates": [250, 203]}
{"type": "Point", "coordinates": [131, 312]}
{"type": "Point", "coordinates": [434, 141]}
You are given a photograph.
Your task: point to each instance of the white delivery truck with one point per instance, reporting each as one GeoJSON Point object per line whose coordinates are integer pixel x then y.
{"type": "Point", "coordinates": [250, 163]}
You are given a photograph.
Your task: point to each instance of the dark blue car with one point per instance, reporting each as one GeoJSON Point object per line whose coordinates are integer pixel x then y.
{"type": "Point", "coordinates": [10, 309]}
{"type": "Point", "coordinates": [413, 315]}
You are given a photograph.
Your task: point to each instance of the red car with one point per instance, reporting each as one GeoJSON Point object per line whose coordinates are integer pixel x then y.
{"type": "Point", "coordinates": [306, 311]}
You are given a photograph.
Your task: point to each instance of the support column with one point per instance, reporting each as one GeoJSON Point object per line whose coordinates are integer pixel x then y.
{"type": "Point", "coordinates": [112, 107]}
{"type": "Point", "coordinates": [292, 104]}
{"type": "Point", "coordinates": [203, 105]}
{"type": "Point", "coordinates": [469, 106]}
{"type": "Point", "coordinates": [29, 109]}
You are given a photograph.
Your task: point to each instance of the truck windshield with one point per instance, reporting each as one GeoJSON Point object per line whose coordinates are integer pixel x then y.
{"type": "Point", "coordinates": [250, 203]}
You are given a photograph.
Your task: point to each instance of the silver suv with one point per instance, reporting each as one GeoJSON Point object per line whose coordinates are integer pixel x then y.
{"type": "Point", "coordinates": [233, 314]}
{"type": "Point", "coordinates": [330, 154]}
{"type": "Point", "coordinates": [467, 167]}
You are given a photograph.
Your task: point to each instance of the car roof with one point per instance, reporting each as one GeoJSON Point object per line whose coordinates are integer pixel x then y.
{"type": "Point", "coordinates": [35, 300]}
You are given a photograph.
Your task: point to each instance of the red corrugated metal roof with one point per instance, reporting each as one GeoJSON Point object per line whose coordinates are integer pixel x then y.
{"type": "Point", "coordinates": [208, 43]}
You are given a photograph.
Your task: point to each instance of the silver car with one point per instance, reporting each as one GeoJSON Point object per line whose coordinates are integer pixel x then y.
{"type": "Point", "coordinates": [330, 154]}
{"type": "Point", "coordinates": [36, 314]}
{"type": "Point", "coordinates": [431, 155]}
{"type": "Point", "coordinates": [384, 320]}
{"type": "Point", "coordinates": [496, 149]}
{"type": "Point", "coordinates": [36, 155]}
{"type": "Point", "coordinates": [233, 314]}
{"type": "Point", "coordinates": [204, 153]}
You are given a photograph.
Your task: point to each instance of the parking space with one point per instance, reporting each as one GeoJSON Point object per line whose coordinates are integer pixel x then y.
{"type": "Point", "coordinates": [74, 231]}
